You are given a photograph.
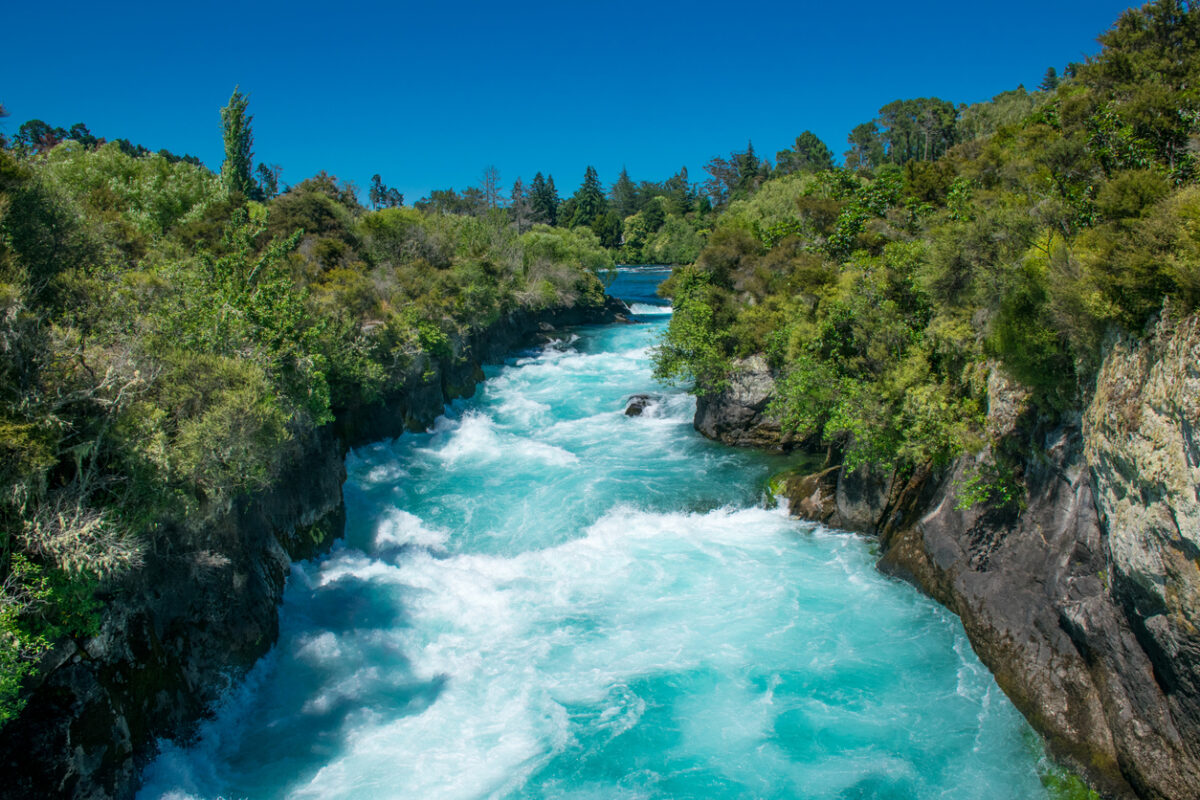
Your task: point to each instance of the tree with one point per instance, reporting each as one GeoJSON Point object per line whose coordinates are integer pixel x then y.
{"type": "Point", "coordinates": [447, 201]}
{"type": "Point", "coordinates": [624, 195]}
{"type": "Point", "coordinates": [809, 155]}
{"type": "Point", "coordinates": [520, 208]}
{"type": "Point", "coordinates": [866, 147]}
{"type": "Point", "coordinates": [1050, 81]}
{"type": "Point", "coordinates": [722, 180]}
{"type": "Point", "coordinates": [1148, 71]}
{"type": "Point", "coordinates": [80, 133]}
{"type": "Point", "coordinates": [589, 199]}
{"type": "Point", "coordinates": [382, 196]}
{"type": "Point", "coordinates": [268, 180]}
{"type": "Point", "coordinates": [608, 229]}
{"type": "Point", "coordinates": [492, 196]}
{"type": "Point", "coordinates": [750, 170]}
{"type": "Point", "coordinates": [654, 215]}
{"type": "Point", "coordinates": [239, 143]}
{"type": "Point", "coordinates": [738, 176]}
{"type": "Point", "coordinates": [37, 136]}
{"type": "Point", "coordinates": [476, 201]}
{"type": "Point", "coordinates": [923, 129]}
{"type": "Point", "coordinates": [544, 199]}
{"type": "Point", "coordinates": [680, 192]}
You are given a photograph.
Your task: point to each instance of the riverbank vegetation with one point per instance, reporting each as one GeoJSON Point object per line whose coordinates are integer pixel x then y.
{"type": "Point", "coordinates": [168, 335]}
{"type": "Point", "coordinates": [1022, 233]}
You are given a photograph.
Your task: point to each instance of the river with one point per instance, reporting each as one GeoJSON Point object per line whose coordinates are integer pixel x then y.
{"type": "Point", "coordinates": [545, 598]}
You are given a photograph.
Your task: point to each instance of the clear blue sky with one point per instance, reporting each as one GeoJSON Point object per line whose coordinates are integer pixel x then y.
{"type": "Point", "coordinates": [428, 94]}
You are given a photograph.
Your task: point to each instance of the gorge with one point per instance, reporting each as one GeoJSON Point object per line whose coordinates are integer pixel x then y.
{"type": "Point", "coordinates": [544, 597]}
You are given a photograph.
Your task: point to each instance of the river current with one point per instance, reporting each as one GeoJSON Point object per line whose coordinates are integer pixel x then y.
{"type": "Point", "coordinates": [542, 597]}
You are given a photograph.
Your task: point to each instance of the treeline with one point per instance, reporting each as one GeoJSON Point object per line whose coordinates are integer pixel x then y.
{"type": "Point", "coordinates": [167, 341]}
{"type": "Point", "coordinates": [1008, 238]}
{"type": "Point", "coordinates": [662, 222]}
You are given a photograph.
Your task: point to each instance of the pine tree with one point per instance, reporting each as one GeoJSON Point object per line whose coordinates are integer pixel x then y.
{"type": "Point", "coordinates": [552, 202]}
{"type": "Point", "coordinates": [375, 193]}
{"type": "Point", "coordinates": [239, 141]}
{"type": "Point", "coordinates": [624, 195]}
{"type": "Point", "coordinates": [1050, 82]}
{"type": "Point", "coordinates": [543, 198]}
{"type": "Point", "coordinates": [589, 199]}
{"type": "Point", "coordinates": [748, 169]}
{"type": "Point", "coordinates": [520, 208]}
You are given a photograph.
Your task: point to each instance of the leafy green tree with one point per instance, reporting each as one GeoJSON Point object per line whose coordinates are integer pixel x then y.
{"type": "Point", "coordinates": [608, 229]}
{"type": "Point", "coordinates": [268, 180]}
{"type": "Point", "coordinates": [381, 196]}
{"type": "Point", "coordinates": [810, 154]}
{"type": "Point", "coordinates": [736, 177]}
{"type": "Point", "coordinates": [917, 129]}
{"type": "Point", "coordinates": [654, 215]}
{"type": "Point", "coordinates": [239, 143]}
{"type": "Point", "coordinates": [1050, 80]}
{"type": "Point", "coordinates": [1146, 76]}
{"type": "Point", "coordinates": [866, 147]}
{"type": "Point", "coordinates": [36, 136]}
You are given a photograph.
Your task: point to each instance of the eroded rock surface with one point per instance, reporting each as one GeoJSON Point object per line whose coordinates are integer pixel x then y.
{"type": "Point", "coordinates": [737, 415]}
{"type": "Point", "coordinates": [1084, 601]}
{"type": "Point", "coordinates": [1144, 453]}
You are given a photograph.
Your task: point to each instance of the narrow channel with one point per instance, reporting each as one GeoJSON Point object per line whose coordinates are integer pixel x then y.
{"type": "Point", "coordinates": [543, 597]}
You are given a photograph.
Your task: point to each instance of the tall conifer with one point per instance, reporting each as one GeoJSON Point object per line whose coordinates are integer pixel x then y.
{"type": "Point", "coordinates": [239, 141]}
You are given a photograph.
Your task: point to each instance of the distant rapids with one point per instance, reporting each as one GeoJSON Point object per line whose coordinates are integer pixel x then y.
{"type": "Point", "coordinates": [542, 597]}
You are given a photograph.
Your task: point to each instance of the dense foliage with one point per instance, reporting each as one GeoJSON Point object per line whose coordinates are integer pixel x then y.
{"type": "Point", "coordinates": [1016, 234]}
{"type": "Point", "coordinates": [166, 342]}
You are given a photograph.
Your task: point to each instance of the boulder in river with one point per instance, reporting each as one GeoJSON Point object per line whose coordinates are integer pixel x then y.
{"type": "Point", "coordinates": [638, 403]}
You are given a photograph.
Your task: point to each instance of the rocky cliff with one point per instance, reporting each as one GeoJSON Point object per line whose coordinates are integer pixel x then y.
{"type": "Point", "coordinates": [1084, 597]}
{"type": "Point", "coordinates": [738, 414]}
{"type": "Point", "coordinates": [179, 631]}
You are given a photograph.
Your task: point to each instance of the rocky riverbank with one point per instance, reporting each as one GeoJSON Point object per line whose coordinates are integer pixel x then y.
{"type": "Point", "coordinates": [1083, 595]}
{"type": "Point", "coordinates": [191, 621]}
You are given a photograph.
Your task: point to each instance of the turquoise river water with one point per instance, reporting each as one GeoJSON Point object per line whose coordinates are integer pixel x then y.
{"type": "Point", "coordinates": [544, 598]}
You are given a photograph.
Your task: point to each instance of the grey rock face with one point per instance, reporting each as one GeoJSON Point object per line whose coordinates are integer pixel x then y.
{"type": "Point", "coordinates": [1144, 454]}
{"type": "Point", "coordinates": [738, 414]}
{"type": "Point", "coordinates": [862, 497]}
{"type": "Point", "coordinates": [1085, 602]}
{"type": "Point", "coordinates": [1015, 578]}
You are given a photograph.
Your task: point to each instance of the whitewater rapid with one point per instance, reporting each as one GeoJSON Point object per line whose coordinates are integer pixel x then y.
{"type": "Point", "coordinates": [543, 597]}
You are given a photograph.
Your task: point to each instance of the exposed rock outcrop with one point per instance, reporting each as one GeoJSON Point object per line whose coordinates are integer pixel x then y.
{"type": "Point", "coordinates": [638, 404]}
{"type": "Point", "coordinates": [177, 632]}
{"type": "Point", "coordinates": [737, 414]}
{"type": "Point", "coordinates": [1143, 449]}
{"type": "Point", "coordinates": [1084, 601]}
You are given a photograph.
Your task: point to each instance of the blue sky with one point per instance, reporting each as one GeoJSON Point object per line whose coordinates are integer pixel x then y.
{"type": "Point", "coordinates": [429, 94]}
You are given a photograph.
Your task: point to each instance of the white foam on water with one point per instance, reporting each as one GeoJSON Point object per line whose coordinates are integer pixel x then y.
{"type": "Point", "coordinates": [462, 643]}
{"type": "Point", "coordinates": [476, 439]}
{"type": "Point", "coordinates": [398, 528]}
{"type": "Point", "coordinates": [647, 310]}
